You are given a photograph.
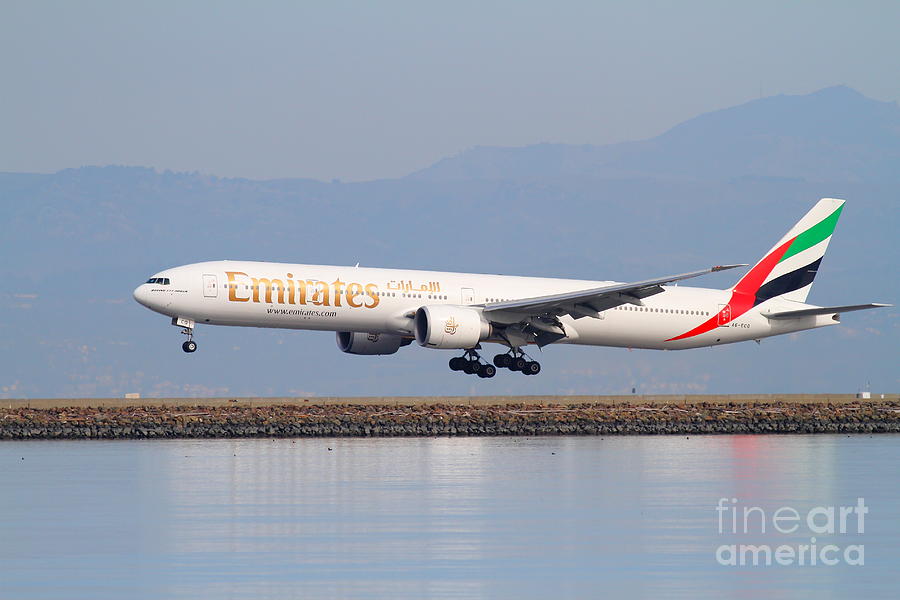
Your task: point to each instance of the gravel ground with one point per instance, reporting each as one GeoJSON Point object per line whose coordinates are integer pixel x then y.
{"type": "Point", "coordinates": [140, 422]}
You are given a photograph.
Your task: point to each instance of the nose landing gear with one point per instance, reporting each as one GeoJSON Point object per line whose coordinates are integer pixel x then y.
{"type": "Point", "coordinates": [187, 328]}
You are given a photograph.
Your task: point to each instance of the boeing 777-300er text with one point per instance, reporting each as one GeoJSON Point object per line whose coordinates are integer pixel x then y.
{"type": "Point", "coordinates": [376, 311]}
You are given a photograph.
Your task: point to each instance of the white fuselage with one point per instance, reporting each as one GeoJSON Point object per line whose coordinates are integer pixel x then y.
{"type": "Point", "coordinates": [384, 301]}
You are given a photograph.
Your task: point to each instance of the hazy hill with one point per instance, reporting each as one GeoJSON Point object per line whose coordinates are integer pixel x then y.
{"type": "Point", "coordinates": [76, 243]}
{"type": "Point", "coordinates": [835, 134]}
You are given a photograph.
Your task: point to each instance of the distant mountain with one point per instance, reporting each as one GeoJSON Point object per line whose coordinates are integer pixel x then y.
{"type": "Point", "coordinates": [835, 134]}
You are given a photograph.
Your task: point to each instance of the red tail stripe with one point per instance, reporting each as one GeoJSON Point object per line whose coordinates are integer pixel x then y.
{"type": "Point", "coordinates": [751, 282]}
{"type": "Point", "coordinates": [743, 295]}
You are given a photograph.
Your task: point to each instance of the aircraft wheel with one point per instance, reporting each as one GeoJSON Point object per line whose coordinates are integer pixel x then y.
{"type": "Point", "coordinates": [532, 367]}
{"type": "Point", "coordinates": [502, 360]}
{"type": "Point", "coordinates": [189, 346]}
{"type": "Point", "coordinates": [487, 371]}
{"type": "Point", "coordinates": [457, 363]}
{"type": "Point", "coordinates": [518, 364]}
{"type": "Point", "coordinates": [471, 367]}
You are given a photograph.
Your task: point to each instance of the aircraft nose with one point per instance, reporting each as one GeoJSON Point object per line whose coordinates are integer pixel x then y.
{"type": "Point", "coordinates": [140, 294]}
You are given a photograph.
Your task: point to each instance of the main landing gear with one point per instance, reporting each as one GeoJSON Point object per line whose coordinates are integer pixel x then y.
{"type": "Point", "coordinates": [187, 328]}
{"type": "Point", "coordinates": [514, 360]}
{"type": "Point", "coordinates": [471, 364]}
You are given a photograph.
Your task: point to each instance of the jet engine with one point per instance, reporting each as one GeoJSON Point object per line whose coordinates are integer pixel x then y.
{"type": "Point", "coordinates": [450, 327]}
{"type": "Point", "coordinates": [354, 342]}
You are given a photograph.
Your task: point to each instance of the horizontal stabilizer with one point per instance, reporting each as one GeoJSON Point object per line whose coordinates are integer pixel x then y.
{"type": "Point", "coordinates": [823, 310]}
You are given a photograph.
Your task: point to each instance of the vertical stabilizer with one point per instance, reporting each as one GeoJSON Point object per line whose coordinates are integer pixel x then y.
{"type": "Point", "coordinates": [788, 269]}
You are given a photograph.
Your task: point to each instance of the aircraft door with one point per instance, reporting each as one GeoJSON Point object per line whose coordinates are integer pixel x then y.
{"type": "Point", "coordinates": [724, 315]}
{"type": "Point", "coordinates": [210, 289]}
{"type": "Point", "coordinates": [468, 296]}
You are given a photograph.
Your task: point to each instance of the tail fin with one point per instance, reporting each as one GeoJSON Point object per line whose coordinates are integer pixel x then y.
{"type": "Point", "coordinates": [788, 269]}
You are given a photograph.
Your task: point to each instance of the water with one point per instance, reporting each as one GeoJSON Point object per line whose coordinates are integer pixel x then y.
{"type": "Point", "coordinates": [438, 517]}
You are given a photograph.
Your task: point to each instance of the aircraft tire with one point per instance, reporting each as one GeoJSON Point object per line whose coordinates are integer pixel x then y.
{"type": "Point", "coordinates": [189, 346]}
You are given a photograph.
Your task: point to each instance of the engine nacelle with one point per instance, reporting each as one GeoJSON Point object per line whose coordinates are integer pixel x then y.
{"type": "Point", "coordinates": [450, 327]}
{"type": "Point", "coordinates": [354, 342]}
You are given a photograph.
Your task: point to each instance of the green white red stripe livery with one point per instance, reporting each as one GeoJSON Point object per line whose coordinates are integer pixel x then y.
{"type": "Point", "coordinates": [786, 271]}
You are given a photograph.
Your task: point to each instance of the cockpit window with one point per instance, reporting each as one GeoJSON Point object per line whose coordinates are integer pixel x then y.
{"type": "Point", "coordinates": [151, 280]}
{"type": "Point", "coordinates": [159, 280]}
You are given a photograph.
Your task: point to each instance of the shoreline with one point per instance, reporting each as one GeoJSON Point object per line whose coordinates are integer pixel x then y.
{"type": "Point", "coordinates": [418, 417]}
{"type": "Point", "coordinates": [541, 400]}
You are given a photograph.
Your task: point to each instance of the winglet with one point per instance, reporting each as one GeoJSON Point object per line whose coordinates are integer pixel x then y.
{"type": "Point", "coordinates": [718, 268]}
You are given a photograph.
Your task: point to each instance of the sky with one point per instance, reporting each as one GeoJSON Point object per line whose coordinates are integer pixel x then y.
{"type": "Point", "coordinates": [369, 90]}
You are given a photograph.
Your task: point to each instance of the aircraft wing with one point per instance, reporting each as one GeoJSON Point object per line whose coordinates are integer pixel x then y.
{"type": "Point", "coordinates": [822, 310]}
{"type": "Point", "coordinates": [591, 302]}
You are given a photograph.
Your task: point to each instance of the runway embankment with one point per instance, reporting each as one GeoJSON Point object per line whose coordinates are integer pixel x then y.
{"type": "Point", "coordinates": [108, 418]}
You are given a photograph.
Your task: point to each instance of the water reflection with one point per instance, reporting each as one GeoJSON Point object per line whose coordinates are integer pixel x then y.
{"type": "Point", "coordinates": [438, 517]}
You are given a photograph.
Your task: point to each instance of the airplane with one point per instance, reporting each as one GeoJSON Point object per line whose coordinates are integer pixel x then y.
{"type": "Point", "coordinates": [378, 311]}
